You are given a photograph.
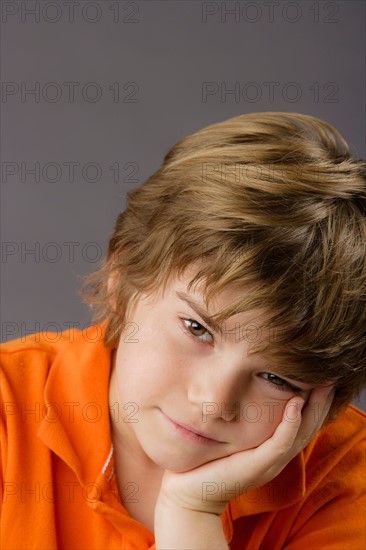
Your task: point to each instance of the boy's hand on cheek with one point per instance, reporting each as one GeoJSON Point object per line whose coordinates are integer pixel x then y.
{"type": "Point", "coordinates": [254, 466]}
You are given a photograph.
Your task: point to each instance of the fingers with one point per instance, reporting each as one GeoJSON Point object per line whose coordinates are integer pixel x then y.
{"type": "Point", "coordinates": [268, 459]}
{"type": "Point", "coordinates": [279, 449]}
{"type": "Point", "coordinates": [299, 425]}
{"type": "Point", "coordinates": [314, 413]}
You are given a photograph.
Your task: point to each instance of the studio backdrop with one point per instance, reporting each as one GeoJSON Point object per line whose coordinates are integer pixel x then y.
{"type": "Point", "coordinates": [95, 92]}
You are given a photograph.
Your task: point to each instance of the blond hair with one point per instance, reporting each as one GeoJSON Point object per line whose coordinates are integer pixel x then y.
{"type": "Point", "coordinates": [273, 202]}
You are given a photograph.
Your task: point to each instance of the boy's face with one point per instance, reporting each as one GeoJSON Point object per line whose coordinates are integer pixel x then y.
{"type": "Point", "coordinates": [172, 370]}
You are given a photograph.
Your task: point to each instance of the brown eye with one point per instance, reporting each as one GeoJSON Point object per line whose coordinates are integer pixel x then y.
{"type": "Point", "coordinates": [276, 380]}
{"type": "Point", "coordinates": [279, 383]}
{"type": "Point", "coordinates": [197, 330]}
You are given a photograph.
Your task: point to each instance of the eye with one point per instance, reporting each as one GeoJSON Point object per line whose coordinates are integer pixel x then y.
{"type": "Point", "coordinates": [197, 331]}
{"type": "Point", "coordinates": [279, 383]}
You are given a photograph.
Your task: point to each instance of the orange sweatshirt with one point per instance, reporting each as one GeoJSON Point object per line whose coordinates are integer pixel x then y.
{"type": "Point", "coordinates": [57, 471]}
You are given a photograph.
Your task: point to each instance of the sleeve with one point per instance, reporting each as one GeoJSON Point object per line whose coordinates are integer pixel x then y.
{"type": "Point", "coordinates": [334, 514]}
{"type": "Point", "coordinates": [3, 440]}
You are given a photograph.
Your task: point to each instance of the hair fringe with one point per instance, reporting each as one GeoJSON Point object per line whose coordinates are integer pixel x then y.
{"type": "Point", "coordinates": [272, 204]}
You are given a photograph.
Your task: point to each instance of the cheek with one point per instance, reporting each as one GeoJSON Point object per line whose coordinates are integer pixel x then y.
{"type": "Point", "coordinates": [147, 368]}
{"type": "Point", "coordinates": [258, 422]}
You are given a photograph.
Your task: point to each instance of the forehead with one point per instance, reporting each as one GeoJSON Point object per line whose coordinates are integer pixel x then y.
{"type": "Point", "coordinates": [255, 325]}
{"type": "Point", "coordinates": [224, 304]}
{"type": "Point", "coordinates": [181, 289]}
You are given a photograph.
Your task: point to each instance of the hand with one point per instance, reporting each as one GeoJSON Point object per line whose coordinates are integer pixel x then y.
{"type": "Point", "coordinates": [259, 466]}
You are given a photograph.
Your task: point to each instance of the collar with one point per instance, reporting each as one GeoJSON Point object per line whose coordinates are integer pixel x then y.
{"type": "Point", "coordinates": [75, 423]}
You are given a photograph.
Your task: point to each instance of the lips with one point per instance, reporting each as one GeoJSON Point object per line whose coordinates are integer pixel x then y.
{"type": "Point", "coordinates": [191, 433]}
{"type": "Point", "coordinates": [195, 431]}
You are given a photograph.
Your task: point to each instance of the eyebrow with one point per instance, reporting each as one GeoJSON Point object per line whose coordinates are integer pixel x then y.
{"type": "Point", "coordinates": [199, 310]}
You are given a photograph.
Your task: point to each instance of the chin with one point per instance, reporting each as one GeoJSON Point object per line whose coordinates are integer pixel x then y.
{"type": "Point", "coordinates": [177, 464]}
{"type": "Point", "coordinates": [180, 465]}
{"type": "Point", "coordinates": [180, 469]}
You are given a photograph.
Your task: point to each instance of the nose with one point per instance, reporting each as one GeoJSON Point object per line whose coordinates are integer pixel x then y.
{"type": "Point", "coordinates": [217, 393]}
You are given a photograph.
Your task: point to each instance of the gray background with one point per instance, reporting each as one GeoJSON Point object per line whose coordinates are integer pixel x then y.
{"type": "Point", "coordinates": [116, 84]}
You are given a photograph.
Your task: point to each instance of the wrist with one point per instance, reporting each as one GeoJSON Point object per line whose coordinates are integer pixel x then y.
{"type": "Point", "coordinates": [198, 503]}
{"type": "Point", "coordinates": [177, 527]}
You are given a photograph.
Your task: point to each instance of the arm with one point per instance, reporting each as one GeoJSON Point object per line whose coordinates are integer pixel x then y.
{"type": "Point", "coordinates": [178, 528]}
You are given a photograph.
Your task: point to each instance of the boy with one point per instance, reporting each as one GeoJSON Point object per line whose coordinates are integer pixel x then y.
{"type": "Point", "coordinates": [209, 409]}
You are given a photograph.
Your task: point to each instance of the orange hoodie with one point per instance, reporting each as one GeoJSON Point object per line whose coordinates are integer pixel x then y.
{"type": "Point", "coordinates": [57, 466]}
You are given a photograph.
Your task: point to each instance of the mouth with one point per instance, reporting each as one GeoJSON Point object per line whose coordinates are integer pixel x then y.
{"type": "Point", "coordinates": [191, 434]}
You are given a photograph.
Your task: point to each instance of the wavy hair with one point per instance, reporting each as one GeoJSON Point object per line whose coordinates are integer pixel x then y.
{"type": "Point", "coordinates": [271, 202]}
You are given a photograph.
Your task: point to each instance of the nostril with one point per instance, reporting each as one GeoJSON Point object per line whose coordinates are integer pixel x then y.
{"type": "Point", "coordinates": [225, 411]}
{"type": "Point", "coordinates": [230, 412]}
